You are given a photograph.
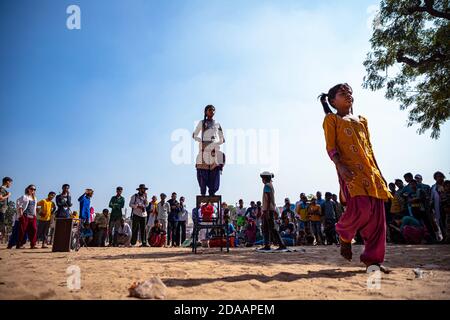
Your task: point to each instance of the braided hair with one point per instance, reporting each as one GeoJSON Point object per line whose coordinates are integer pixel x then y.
{"type": "Point", "coordinates": [331, 95]}
{"type": "Point", "coordinates": [209, 106]}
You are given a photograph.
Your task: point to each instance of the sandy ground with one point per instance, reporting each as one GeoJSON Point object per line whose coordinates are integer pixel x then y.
{"type": "Point", "coordinates": [312, 273]}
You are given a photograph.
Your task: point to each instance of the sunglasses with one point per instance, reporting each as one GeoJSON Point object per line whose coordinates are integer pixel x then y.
{"type": "Point", "coordinates": [33, 189]}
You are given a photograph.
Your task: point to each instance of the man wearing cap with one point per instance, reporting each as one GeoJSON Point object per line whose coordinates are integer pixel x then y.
{"type": "Point", "coordinates": [138, 203]}
{"type": "Point", "coordinates": [268, 208]}
{"type": "Point", "coordinates": [85, 205]}
{"type": "Point", "coordinates": [116, 204]}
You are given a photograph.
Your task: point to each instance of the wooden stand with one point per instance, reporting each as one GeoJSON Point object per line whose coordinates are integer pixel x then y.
{"type": "Point", "coordinates": [215, 223]}
{"type": "Point", "coordinates": [65, 235]}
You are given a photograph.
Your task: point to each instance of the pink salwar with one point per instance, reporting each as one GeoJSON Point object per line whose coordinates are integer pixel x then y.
{"type": "Point", "coordinates": [366, 215]}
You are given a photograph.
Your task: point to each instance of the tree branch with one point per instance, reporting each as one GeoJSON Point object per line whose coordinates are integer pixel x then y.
{"type": "Point", "coordinates": [430, 9]}
{"type": "Point", "coordinates": [434, 58]}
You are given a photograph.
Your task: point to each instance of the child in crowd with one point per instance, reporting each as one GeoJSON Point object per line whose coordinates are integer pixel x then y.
{"type": "Point", "coordinates": [207, 211]}
{"type": "Point", "coordinates": [157, 235]}
{"type": "Point", "coordinates": [86, 235]}
{"type": "Point", "coordinates": [363, 187]}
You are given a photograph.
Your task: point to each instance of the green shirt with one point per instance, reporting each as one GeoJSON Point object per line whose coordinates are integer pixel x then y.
{"type": "Point", "coordinates": [4, 203]}
{"type": "Point", "coordinates": [116, 204]}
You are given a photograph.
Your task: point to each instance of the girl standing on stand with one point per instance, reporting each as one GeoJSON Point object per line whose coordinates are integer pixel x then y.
{"type": "Point", "coordinates": [210, 160]}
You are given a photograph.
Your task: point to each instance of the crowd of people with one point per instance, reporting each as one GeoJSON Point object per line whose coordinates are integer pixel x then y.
{"type": "Point", "coordinates": [416, 213]}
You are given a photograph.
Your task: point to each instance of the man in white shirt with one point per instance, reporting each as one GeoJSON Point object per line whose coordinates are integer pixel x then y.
{"type": "Point", "coordinates": [163, 211]}
{"type": "Point", "coordinates": [122, 234]}
{"type": "Point", "coordinates": [139, 203]}
{"type": "Point", "coordinates": [182, 221]}
{"type": "Point", "coordinates": [240, 214]}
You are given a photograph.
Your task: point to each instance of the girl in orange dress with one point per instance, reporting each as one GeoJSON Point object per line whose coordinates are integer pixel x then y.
{"type": "Point", "coordinates": [363, 188]}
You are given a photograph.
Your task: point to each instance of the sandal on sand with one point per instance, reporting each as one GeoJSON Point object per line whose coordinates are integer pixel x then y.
{"type": "Point", "coordinates": [346, 250]}
{"type": "Point", "coordinates": [382, 268]}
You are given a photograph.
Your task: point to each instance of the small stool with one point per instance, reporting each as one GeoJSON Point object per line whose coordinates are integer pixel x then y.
{"type": "Point", "coordinates": [215, 223]}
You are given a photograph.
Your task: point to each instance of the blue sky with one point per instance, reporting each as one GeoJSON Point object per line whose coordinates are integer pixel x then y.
{"type": "Point", "coordinates": [96, 107]}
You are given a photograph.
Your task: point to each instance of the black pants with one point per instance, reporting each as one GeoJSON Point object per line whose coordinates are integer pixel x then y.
{"type": "Point", "coordinates": [181, 232]}
{"type": "Point", "coordinates": [172, 233]}
{"type": "Point", "coordinates": [138, 226]}
{"type": "Point", "coordinates": [269, 232]}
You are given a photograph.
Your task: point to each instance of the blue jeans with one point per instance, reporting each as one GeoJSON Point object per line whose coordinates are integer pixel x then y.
{"type": "Point", "coordinates": [317, 230]}
{"type": "Point", "coordinates": [14, 238]}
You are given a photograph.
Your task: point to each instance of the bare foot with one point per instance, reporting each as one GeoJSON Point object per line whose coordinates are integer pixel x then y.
{"type": "Point", "coordinates": [346, 250]}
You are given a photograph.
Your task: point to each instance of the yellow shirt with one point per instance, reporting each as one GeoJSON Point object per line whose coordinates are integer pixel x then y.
{"type": "Point", "coordinates": [351, 140]}
{"type": "Point", "coordinates": [47, 207]}
{"type": "Point", "coordinates": [396, 205]}
{"type": "Point", "coordinates": [314, 212]}
{"type": "Point", "coordinates": [303, 213]}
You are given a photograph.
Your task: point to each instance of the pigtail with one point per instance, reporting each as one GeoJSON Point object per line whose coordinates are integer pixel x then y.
{"type": "Point", "coordinates": [323, 100]}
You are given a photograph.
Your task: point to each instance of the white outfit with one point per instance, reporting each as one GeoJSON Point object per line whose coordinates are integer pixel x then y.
{"type": "Point", "coordinates": [23, 202]}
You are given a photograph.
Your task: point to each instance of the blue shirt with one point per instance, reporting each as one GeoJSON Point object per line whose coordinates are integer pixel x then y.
{"type": "Point", "coordinates": [85, 208]}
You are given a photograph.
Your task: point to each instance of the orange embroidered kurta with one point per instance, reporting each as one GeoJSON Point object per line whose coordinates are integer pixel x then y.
{"type": "Point", "coordinates": [350, 139]}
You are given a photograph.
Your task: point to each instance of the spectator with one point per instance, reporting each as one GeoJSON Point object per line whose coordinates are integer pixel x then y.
{"type": "Point", "coordinates": [207, 212]}
{"type": "Point", "coordinates": [173, 221]}
{"type": "Point", "coordinates": [287, 231]}
{"type": "Point", "coordinates": [328, 209]}
{"type": "Point", "coordinates": [436, 190]}
{"type": "Point", "coordinates": [287, 211]}
{"type": "Point", "coordinates": [339, 207]}
{"type": "Point", "coordinates": [240, 214]}
{"type": "Point", "coordinates": [407, 230]}
{"type": "Point", "coordinates": [157, 235]}
{"type": "Point", "coordinates": [152, 214]}
{"type": "Point", "coordinates": [85, 205]}
{"type": "Point", "coordinates": [64, 202]}
{"type": "Point", "coordinates": [102, 227]}
{"type": "Point", "coordinates": [250, 232]}
{"type": "Point", "coordinates": [163, 212]}
{"type": "Point", "coordinates": [139, 203]}
{"type": "Point", "coordinates": [182, 221]}
{"type": "Point", "coordinates": [319, 200]}
{"type": "Point", "coordinates": [87, 235]}
{"type": "Point", "coordinates": [4, 198]}
{"type": "Point", "coordinates": [47, 209]}
{"type": "Point", "coordinates": [423, 186]}
{"type": "Point", "coordinates": [301, 209]}
{"type": "Point", "coordinates": [122, 233]}
{"type": "Point", "coordinates": [26, 207]}
{"type": "Point", "coordinates": [315, 216]}
{"type": "Point", "coordinates": [445, 208]}
{"type": "Point", "coordinates": [258, 215]}
{"type": "Point", "coordinates": [251, 211]}
{"type": "Point", "coordinates": [117, 203]}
